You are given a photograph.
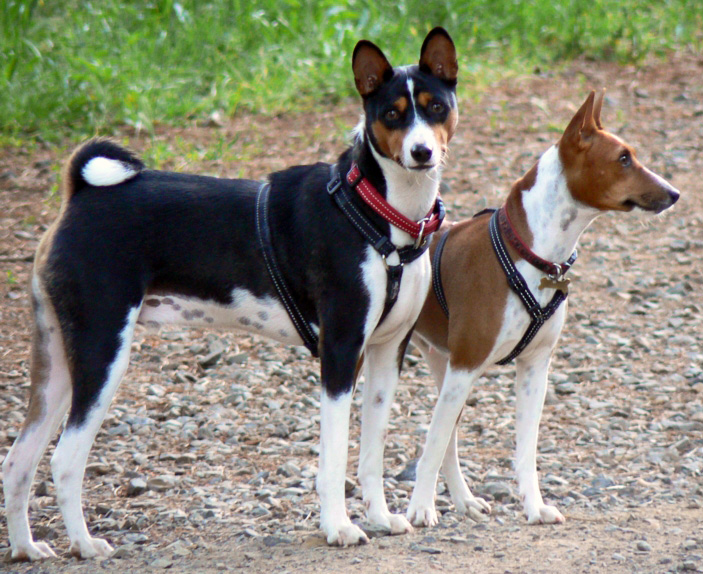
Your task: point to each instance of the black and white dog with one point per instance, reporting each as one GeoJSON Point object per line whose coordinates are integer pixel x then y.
{"type": "Point", "coordinates": [328, 256]}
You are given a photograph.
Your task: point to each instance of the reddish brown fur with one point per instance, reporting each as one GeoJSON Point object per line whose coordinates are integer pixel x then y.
{"type": "Point", "coordinates": [471, 273]}
{"type": "Point", "coordinates": [389, 141]}
{"type": "Point", "coordinates": [401, 104]}
{"type": "Point", "coordinates": [424, 99]}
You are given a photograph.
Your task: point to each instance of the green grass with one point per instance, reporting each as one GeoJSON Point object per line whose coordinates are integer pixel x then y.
{"type": "Point", "coordinates": [78, 68]}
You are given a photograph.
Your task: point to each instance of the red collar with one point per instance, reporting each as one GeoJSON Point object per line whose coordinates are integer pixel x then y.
{"type": "Point", "coordinates": [508, 230]}
{"type": "Point", "coordinates": [417, 229]}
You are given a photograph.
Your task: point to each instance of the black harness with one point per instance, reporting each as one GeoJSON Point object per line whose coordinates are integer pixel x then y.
{"type": "Point", "coordinates": [516, 281]}
{"type": "Point", "coordinates": [378, 240]}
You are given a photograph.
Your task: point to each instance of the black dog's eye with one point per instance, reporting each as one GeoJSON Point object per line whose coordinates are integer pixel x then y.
{"type": "Point", "coordinates": [625, 159]}
{"type": "Point", "coordinates": [436, 107]}
{"type": "Point", "coordinates": [392, 115]}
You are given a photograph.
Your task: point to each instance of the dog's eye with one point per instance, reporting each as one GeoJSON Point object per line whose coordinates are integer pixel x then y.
{"type": "Point", "coordinates": [392, 115]}
{"type": "Point", "coordinates": [625, 159]}
{"type": "Point", "coordinates": [436, 107]}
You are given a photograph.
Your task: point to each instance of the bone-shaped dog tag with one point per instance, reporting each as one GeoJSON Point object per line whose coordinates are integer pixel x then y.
{"type": "Point", "coordinates": [549, 283]}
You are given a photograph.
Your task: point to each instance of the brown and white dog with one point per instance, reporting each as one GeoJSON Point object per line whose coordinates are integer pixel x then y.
{"type": "Point", "coordinates": [587, 172]}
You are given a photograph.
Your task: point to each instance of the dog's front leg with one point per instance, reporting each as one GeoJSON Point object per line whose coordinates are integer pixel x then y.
{"type": "Point", "coordinates": [339, 359]}
{"type": "Point", "coordinates": [382, 370]}
{"type": "Point", "coordinates": [455, 390]}
{"type": "Point", "coordinates": [531, 389]}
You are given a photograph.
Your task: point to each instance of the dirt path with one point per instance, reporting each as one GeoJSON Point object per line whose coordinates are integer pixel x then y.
{"type": "Point", "coordinates": [229, 449]}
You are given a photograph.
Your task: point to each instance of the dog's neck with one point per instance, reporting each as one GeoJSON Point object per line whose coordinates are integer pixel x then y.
{"type": "Point", "coordinates": [544, 212]}
{"type": "Point", "coordinates": [411, 192]}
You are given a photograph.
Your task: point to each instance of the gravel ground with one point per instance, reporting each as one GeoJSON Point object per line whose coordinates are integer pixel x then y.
{"type": "Point", "coordinates": [207, 458]}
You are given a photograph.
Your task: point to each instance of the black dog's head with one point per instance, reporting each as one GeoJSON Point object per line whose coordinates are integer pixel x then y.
{"type": "Point", "coordinates": [411, 111]}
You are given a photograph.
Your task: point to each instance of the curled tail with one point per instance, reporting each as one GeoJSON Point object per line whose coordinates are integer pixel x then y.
{"type": "Point", "coordinates": [99, 163]}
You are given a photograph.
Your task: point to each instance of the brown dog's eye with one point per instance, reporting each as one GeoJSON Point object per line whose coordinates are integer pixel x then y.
{"type": "Point", "coordinates": [392, 115]}
{"type": "Point", "coordinates": [625, 159]}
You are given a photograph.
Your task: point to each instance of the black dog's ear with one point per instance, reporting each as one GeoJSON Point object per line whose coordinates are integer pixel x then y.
{"type": "Point", "coordinates": [371, 68]}
{"type": "Point", "coordinates": [438, 56]}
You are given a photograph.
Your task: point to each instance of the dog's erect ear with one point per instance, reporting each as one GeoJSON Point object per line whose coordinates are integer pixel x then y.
{"type": "Point", "coordinates": [597, 106]}
{"type": "Point", "coordinates": [371, 68]}
{"type": "Point", "coordinates": [438, 56]}
{"type": "Point", "coordinates": [582, 126]}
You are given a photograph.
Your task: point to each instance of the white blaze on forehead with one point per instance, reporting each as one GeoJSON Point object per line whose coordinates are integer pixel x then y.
{"type": "Point", "coordinates": [419, 133]}
{"type": "Point", "coordinates": [103, 171]}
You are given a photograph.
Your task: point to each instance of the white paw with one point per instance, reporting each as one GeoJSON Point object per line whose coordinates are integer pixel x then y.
{"type": "Point", "coordinates": [32, 551]}
{"type": "Point", "coordinates": [394, 523]}
{"type": "Point", "coordinates": [465, 505]}
{"type": "Point", "coordinates": [399, 524]}
{"type": "Point", "coordinates": [91, 548]}
{"type": "Point", "coordinates": [346, 535]}
{"type": "Point", "coordinates": [422, 514]}
{"type": "Point", "coordinates": [546, 514]}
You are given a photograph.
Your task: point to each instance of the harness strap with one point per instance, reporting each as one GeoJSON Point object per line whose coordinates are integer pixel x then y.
{"type": "Point", "coordinates": [379, 240]}
{"type": "Point", "coordinates": [518, 284]}
{"type": "Point", "coordinates": [263, 231]}
{"type": "Point", "coordinates": [437, 275]}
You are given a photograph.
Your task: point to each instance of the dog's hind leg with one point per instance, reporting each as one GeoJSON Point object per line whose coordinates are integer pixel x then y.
{"type": "Point", "coordinates": [531, 389]}
{"type": "Point", "coordinates": [457, 383]}
{"type": "Point", "coordinates": [462, 497]}
{"type": "Point", "coordinates": [101, 354]}
{"type": "Point", "coordinates": [50, 396]}
{"type": "Point", "coordinates": [382, 370]}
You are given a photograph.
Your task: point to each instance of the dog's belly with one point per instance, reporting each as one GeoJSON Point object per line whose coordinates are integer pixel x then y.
{"type": "Point", "coordinates": [262, 316]}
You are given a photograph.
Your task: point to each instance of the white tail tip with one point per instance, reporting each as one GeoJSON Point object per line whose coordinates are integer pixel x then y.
{"type": "Point", "coordinates": [102, 171]}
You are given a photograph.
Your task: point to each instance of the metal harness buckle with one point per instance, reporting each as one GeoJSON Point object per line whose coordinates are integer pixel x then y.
{"type": "Point", "coordinates": [419, 240]}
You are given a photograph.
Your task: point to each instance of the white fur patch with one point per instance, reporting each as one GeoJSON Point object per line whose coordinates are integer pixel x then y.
{"type": "Point", "coordinates": [102, 171]}
{"type": "Point", "coordinates": [262, 316]}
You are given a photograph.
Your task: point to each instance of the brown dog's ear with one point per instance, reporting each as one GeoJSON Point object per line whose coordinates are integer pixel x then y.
{"type": "Point", "coordinates": [582, 125]}
{"type": "Point", "coordinates": [597, 106]}
{"type": "Point", "coordinates": [438, 56]}
{"type": "Point", "coordinates": [371, 68]}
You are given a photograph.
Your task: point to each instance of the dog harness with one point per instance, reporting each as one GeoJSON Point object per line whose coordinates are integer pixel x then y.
{"type": "Point", "coordinates": [419, 230]}
{"type": "Point", "coordinates": [500, 223]}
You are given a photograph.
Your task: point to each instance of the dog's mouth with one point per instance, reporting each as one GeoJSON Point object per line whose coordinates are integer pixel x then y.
{"type": "Point", "coordinates": [651, 205]}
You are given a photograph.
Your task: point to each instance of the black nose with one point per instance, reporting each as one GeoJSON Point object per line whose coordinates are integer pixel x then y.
{"type": "Point", "coordinates": [421, 153]}
{"type": "Point", "coordinates": [674, 196]}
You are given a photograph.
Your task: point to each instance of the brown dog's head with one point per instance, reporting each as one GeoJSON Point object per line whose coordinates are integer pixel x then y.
{"type": "Point", "coordinates": [602, 171]}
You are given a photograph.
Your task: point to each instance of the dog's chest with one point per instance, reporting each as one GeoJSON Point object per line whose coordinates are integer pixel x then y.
{"type": "Point", "coordinates": [262, 316]}
{"type": "Point", "coordinates": [411, 296]}
{"type": "Point", "coordinates": [516, 320]}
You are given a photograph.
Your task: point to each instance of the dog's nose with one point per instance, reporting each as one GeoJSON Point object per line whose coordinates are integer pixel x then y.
{"type": "Point", "coordinates": [421, 153]}
{"type": "Point", "coordinates": [674, 195]}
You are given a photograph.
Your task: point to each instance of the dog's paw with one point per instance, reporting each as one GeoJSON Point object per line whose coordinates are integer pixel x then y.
{"type": "Point", "coordinates": [394, 524]}
{"type": "Point", "coordinates": [472, 503]}
{"type": "Point", "coordinates": [91, 548]}
{"type": "Point", "coordinates": [346, 535]}
{"type": "Point", "coordinates": [546, 514]}
{"type": "Point", "coordinates": [31, 551]}
{"type": "Point", "coordinates": [422, 515]}
{"type": "Point", "coordinates": [399, 524]}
